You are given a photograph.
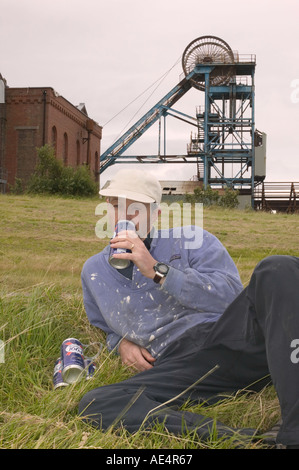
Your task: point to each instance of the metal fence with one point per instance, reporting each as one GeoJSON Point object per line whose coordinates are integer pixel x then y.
{"type": "Point", "coordinates": [279, 196]}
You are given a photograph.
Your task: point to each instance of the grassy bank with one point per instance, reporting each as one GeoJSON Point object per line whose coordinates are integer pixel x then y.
{"type": "Point", "coordinates": [44, 243]}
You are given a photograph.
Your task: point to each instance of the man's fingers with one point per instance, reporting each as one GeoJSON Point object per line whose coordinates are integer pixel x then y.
{"type": "Point", "coordinates": [135, 356]}
{"type": "Point", "coordinates": [147, 355]}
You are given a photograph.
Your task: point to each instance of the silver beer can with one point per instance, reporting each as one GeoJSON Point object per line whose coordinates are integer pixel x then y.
{"type": "Point", "coordinates": [116, 262]}
{"type": "Point", "coordinates": [73, 360]}
{"type": "Point", "coordinates": [90, 367]}
{"type": "Point", "coordinates": [57, 375]}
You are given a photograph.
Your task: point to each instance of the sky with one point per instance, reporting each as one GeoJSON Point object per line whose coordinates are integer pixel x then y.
{"type": "Point", "coordinates": [120, 57]}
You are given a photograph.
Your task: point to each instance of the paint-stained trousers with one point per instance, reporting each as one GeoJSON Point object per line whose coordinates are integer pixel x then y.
{"type": "Point", "coordinates": [248, 347]}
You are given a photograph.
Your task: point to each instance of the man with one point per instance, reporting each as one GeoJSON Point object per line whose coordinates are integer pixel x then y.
{"type": "Point", "coordinates": [181, 318]}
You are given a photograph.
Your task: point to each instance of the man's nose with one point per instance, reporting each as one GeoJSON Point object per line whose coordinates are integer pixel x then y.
{"type": "Point", "coordinates": [123, 215]}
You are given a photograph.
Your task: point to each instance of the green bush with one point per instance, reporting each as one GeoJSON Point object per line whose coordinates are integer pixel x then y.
{"type": "Point", "coordinates": [17, 188]}
{"type": "Point", "coordinates": [209, 197]}
{"type": "Point", "coordinates": [52, 177]}
{"type": "Point", "coordinates": [229, 198]}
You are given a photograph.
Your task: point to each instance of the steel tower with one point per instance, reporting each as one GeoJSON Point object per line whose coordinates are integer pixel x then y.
{"type": "Point", "coordinates": [225, 139]}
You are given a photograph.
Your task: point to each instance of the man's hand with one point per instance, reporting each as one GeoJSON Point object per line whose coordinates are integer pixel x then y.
{"type": "Point", "coordinates": [140, 255]}
{"type": "Point", "coordinates": [135, 356]}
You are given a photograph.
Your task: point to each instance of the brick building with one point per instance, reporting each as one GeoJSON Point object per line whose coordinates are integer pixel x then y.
{"type": "Point", "coordinates": [33, 117]}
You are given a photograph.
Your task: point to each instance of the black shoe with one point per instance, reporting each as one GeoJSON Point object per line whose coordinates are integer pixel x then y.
{"type": "Point", "coordinates": [270, 436]}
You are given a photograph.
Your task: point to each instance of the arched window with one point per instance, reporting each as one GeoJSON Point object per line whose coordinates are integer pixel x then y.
{"type": "Point", "coordinates": [54, 139]}
{"type": "Point", "coordinates": [78, 153]}
{"type": "Point", "coordinates": [65, 148]}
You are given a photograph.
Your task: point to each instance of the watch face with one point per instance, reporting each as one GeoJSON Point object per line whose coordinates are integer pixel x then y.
{"type": "Point", "coordinates": [162, 268]}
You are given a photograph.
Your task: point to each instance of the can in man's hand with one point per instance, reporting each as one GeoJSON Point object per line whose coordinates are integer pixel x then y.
{"type": "Point", "coordinates": [116, 262]}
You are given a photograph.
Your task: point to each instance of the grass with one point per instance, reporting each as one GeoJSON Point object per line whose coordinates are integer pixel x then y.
{"type": "Point", "coordinates": [44, 243]}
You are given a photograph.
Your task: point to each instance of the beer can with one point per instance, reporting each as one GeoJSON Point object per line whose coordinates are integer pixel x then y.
{"type": "Point", "coordinates": [73, 360]}
{"type": "Point", "coordinates": [115, 262]}
{"type": "Point", "coordinates": [89, 367]}
{"type": "Point", "coordinates": [57, 375]}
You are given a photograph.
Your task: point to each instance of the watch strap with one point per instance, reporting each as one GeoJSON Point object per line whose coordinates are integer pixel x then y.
{"type": "Point", "coordinates": [158, 277]}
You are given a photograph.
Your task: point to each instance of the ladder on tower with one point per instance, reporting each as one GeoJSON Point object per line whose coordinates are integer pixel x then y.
{"type": "Point", "coordinates": [200, 168]}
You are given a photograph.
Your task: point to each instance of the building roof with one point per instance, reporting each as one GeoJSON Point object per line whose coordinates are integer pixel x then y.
{"type": "Point", "coordinates": [174, 187]}
{"type": "Point", "coordinates": [179, 187]}
{"type": "Point", "coordinates": [82, 108]}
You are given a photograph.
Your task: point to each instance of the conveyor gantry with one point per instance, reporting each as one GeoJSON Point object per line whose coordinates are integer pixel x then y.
{"type": "Point", "coordinates": [110, 156]}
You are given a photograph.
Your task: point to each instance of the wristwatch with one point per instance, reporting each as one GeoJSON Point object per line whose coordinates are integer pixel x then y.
{"type": "Point", "coordinates": [161, 270]}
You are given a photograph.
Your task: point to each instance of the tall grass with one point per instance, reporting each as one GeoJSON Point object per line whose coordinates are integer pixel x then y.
{"type": "Point", "coordinates": [44, 243]}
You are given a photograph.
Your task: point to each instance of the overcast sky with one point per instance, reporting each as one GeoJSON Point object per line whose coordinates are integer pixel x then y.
{"type": "Point", "coordinates": [107, 53]}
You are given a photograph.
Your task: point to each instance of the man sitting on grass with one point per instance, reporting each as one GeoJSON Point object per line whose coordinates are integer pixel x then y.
{"type": "Point", "coordinates": [179, 315]}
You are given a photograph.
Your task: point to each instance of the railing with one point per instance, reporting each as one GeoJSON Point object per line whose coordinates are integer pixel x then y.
{"type": "Point", "coordinates": [244, 58]}
{"type": "Point", "coordinates": [225, 60]}
{"type": "Point", "coordinates": [281, 196]}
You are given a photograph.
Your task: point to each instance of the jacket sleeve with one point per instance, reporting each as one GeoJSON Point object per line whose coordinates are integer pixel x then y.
{"type": "Point", "coordinates": [95, 317]}
{"type": "Point", "coordinates": [211, 280]}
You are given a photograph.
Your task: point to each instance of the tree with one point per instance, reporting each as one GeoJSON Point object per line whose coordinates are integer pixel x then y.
{"type": "Point", "coordinates": [209, 197]}
{"type": "Point", "coordinates": [52, 177]}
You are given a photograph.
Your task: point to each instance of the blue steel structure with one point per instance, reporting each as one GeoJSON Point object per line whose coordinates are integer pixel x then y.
{"type": "Point", "coordinates": [114, 154]}
{"type": "Point", "coordinates": [223, 144]}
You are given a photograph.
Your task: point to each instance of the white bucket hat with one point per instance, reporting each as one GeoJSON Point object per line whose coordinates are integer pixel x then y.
{"type": "Point", "coordinates": [136, 185]}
